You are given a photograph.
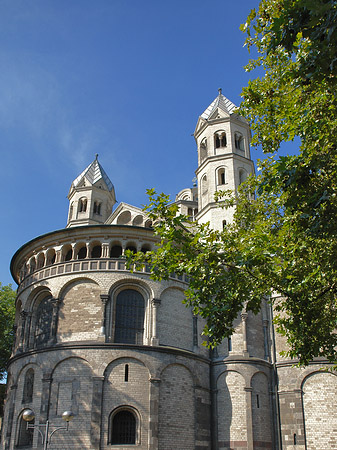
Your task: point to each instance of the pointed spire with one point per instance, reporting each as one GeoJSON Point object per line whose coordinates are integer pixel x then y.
{"type": "Point", "coordinates": [219, 102]}
{"type": "Point", "coordinates": [93, 173]}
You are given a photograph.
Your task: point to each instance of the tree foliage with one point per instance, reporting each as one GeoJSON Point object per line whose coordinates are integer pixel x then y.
{"type": "Point", "coordinates": [7, 313]}
{"type": "Point", "coordinates": [283, 237]}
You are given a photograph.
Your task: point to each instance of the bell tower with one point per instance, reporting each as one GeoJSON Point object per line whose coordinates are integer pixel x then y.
{"type": "Point", "coordinates": [223, 142]}
{"type": "Point", "coordinates": [91, 197]}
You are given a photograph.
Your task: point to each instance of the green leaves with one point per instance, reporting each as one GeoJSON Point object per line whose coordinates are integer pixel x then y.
{"type": "Point", "coordinates": [7, 312]}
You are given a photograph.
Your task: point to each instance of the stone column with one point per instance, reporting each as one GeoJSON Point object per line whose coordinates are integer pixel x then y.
{"type": "Point", "coordinates": [249, 418]}
{"type": "Point", "coordinates": [244, 316]}
{"type": "Point", "coordinates": [57, 256]}
{"type": "Point", "coordinates": [23, 315]}
{"type": "Point", "coordinates": [154, 414]}
{"type": "Point", "coordinates": [96, 412]}
{"type": "Point", "coordinates": [27, 330]}
{"type": "Point", "coordinates": [105, 299]}
{"type": "Point", "coordinates": [45, 397]}
{"type": "Point", "coordinates": [155, 302]}
{"type": "Point", "coordinates": [266, 340]}
{"type": "Point", "coordinates": [53, 332]}
{"type": "Point", "coordinates": [195, 333]}
{"type": "Point", "coordinates": [15, 340]}
{"type": "Point", "coordinates": [105, 250]}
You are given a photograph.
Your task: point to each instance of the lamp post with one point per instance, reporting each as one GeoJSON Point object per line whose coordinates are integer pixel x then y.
{"type": "Point", "coordinates": [28, 415]}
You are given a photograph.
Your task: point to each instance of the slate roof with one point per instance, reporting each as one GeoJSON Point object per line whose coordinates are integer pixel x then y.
{"type": "Point", "coordinates": [93, 173]}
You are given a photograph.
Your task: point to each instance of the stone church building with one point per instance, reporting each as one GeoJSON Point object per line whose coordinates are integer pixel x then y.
{"type": "Point", "coordinates": [125, 355]}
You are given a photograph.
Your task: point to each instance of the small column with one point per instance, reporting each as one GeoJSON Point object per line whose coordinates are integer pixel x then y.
{"type": "Point", "coordinates": [23, 315]}
{"type": "Point", "coordinates": [27, 330]}
{"type": "Point", "coordinates": [195, 333]}
{"type": "Point", "coordinates": [105, 250]}
{"type": "Point", "coordinates": [56, 306]}
{"type": "Point", "coordinates": [45, 396]}
{"type": "Point", "coordinates": [58, 256]}
{"type": "Point", "coordinates": [154, 414]}
{"type": "Point", "coordinates": [88, 250]}
{"type": "Point", "coordinates": [266, 340]}
{"type": "Point", "coordinates": [244, 316]}
{"type": "Point", "coordinates": [249, 418]}
{"type": "Point", "coordinates": [15, 328]}
{"type": "Point", "coordinates": [155, 304]}
{"type": "Point", "coordinates": [104, 299]}
{"type": "Point", "coordinates": [96, 412]}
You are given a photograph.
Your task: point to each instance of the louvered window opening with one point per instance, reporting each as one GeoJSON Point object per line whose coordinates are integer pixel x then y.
{"type": "Point", "coordinates": [123, 428]}
{"type": "Point", "coordinates": [129, 323]}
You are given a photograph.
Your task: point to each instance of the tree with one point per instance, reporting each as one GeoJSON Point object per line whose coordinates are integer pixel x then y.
{"type": "Point", "coordinates": [283, 237]}
{"type": "Point", "coordinates": [7, 312]}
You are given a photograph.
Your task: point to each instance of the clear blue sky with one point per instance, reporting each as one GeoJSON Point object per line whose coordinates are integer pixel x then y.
{"type": "Point", "coordinates": [126, 79]}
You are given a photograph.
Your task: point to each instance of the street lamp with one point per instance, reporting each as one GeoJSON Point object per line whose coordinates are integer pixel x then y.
{"type": "Point", "coordinates": [28, 415]}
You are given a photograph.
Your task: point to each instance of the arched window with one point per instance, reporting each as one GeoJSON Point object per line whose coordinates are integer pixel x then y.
{"type": "Point", "coordinates": [129, 319]}
{"type": "Point", "coordinates": [66, 252]}
{"type": "Point", "coordinates": [51, 256]}
{"type": "Point", "coordinates": [204, 186]}
{"type": "Point", "coordinates": [71, 210]}
{"type": "Point", "coordinates": [82, 205]}
{"type": "Point", "coordinates": [116, 251]}
{"type": "Point", "coordinates": [145, 248]}
{"type": "Point", "coordinates": [32, 265]}
{"type": "Point", "coordinates": [96, 252]}
{"type": "Point", "coordinates": [203, 150]}
{"type": "Point", "coordinates": [28, 387]}
{"type": "Point", "coordinates": [221, 176]}
{"type": "Point", "coordinates": [239, 141]}
{"type": "Point", "coordinates": [123, 428]}
{"type": "Point", "coordinates": [97, 208]}
{"type": "Point", "coordinates": [82, 253]}
{"type": "Point", "coordinates": [131, 247]}
{"type": "Point", "coordinates": [40, 260]}
{"type": "Point", "coordinates": [242, 176]}
{"type": "Point", "coordinates": [148, 224]}
{"type": "Point", "coordinates": [25, 437]}
{"type": "Point", "coordinates": [44, 313]}
{"type": "Point", "coordinates": [220, 139]}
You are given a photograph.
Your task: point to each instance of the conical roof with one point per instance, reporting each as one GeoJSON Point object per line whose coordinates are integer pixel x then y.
{"type": "Point", "coordinates": [93, 173]}
{"type": "Point", "coordinates": [219, 102]}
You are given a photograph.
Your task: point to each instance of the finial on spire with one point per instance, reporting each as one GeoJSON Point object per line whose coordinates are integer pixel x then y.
{"type": "Point", "coordinates": [220, 91]}
{"type": "Point", "coordinates": [96, 156]}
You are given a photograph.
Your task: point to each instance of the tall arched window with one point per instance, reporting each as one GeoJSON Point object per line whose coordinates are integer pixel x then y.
{"type": "Point", "coordinates": [129, 318]}
{"type": "Point", "coordinates": [221, 176]}
{"type": "Point", "coordinates": [220, 139]}
{"type": "Point", "coordinates": [82, 205]}
{"type": "Point", "coordinates": [28, 387]}
{"type": "Point", "coordinates": [43, 321]}
{"type": "Point", "coordinates": [123, 428]}
{"type": "Point", "coordinates": [239, 141]}
{"type": "Point", "coordinates": [97, 208]}
{"type": "Point", "coordinates": [24, 437]}
{"type": "Point", "coordinates": [204, 186]}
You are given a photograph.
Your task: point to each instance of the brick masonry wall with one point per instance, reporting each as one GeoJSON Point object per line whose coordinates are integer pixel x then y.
{"type": "Point", "coordinates": [175, 322]}
{"type": "Point", "coordinates": [319, 408]}
{"type": "Point", "coordinates": [80, 315]}
{"type": "Point", "coordinates": [133, 393]}
{"type": "Point", "coordinates": [176, 409]}
{"type": "Point", "coordinates": [231, 410]}
{"type": "Point", "coordinates": [261, 412]}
